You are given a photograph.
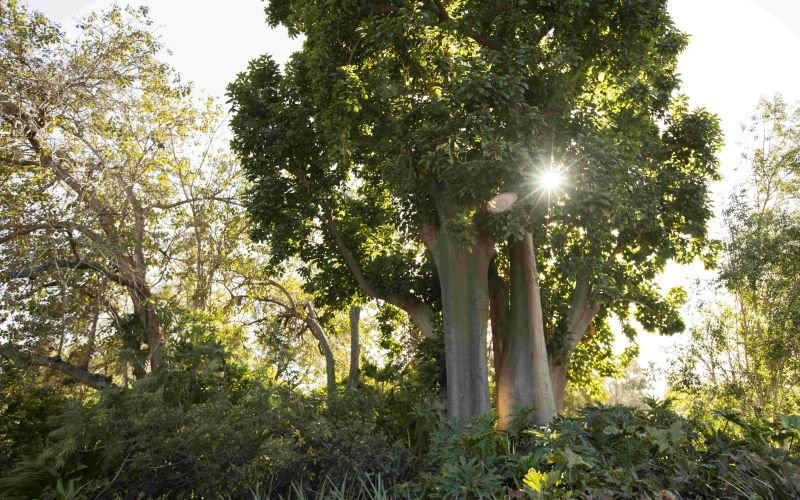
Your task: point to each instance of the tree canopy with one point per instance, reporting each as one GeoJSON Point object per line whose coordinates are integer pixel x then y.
{"type": "Point", "coordinates": [405, 144]}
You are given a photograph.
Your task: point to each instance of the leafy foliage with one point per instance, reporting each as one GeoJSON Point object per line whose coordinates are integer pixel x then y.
{"type": "Point", "coordinates": [376, 154]}
{"type": "Point", "coordinates": [205, 426]}
{"type": "Point", "coordinates": [745, 352]}
{"type": "Point", "coordinates": [124, 261]}
{"type": "Point", "coordinates": [620, 452]}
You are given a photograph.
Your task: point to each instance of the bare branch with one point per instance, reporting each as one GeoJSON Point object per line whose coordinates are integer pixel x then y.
{"type": "Point", "coordinates": [167, 206]}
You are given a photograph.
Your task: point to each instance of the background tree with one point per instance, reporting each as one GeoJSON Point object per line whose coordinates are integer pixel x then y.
{"type": "Point", "coordinates": [744, 352]}
{"type": "Point", "coordinates": [406, 133]}
{"type": "Point", "coordinates": [120, 204]}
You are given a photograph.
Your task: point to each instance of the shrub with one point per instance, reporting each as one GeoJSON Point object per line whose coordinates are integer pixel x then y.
{"type": "Point", "coordinates": [201, 428]}
{"type": "Point", "coordinates": [206, 428]}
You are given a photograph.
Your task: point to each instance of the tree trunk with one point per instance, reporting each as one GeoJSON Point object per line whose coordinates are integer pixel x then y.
{"type": "Point", "coordinates": [330, 362]}
{"type": "Point", "coordinates": [498, 319]}
{"type": "Point", "coordinates": [88, 349]}
{"type": "Point", "coordinates": [143, 307]}
{"type": "Point", "coordinates": [558, 378]}
{"type": "Point", "coordinates": [463, 276]}
{"type": "Point", "coordinates": [523, 378]}
{"type": "Point", "coordinates": [581, 313]}
{"type": "Point", "coordinates": [514, 378]}
{"type": "Point", "coordinates": [355, 347]}
{"type": "Point", "coordinates": [544, 410]}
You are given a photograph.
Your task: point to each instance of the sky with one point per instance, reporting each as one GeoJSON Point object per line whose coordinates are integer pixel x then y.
{"type": "Point", "coordinates": [739, 51]}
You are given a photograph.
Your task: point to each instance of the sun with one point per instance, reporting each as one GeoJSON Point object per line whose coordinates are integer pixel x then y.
{"type": "Point", "coordinates": [551, 179]}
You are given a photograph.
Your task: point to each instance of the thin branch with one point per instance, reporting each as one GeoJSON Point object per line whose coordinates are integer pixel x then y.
{"type": "Point", "coordinates": [168, 206]}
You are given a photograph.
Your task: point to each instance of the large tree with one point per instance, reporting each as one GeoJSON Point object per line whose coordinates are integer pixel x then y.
{"type": "Point", "coordinates": [401, 154]}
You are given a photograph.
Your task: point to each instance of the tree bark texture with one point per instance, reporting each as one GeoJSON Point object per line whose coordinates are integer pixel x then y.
{"type": "Point", "coordinates": [544, 408]}
{"type": "Point", "coordinates": [522, 371]}
{"type": "Point", "coordinates": [463, 276]}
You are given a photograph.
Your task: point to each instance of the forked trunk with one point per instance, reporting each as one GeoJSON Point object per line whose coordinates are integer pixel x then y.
{"type": "Point", "coordinates": [463, 276]}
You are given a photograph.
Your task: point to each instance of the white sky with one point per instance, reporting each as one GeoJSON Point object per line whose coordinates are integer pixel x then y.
{"type": "Point", "coordinates": [739, 51]}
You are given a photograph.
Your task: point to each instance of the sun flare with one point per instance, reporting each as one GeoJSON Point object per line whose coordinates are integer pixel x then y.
{"type": "Point", "coordinates": [551, 179]}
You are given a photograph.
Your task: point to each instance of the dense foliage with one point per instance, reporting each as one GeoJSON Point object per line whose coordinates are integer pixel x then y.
{"type": "Point", "coordinates": [149, 348]}
{"type": "Point", "coordinates": [211, 428]}
{"type": "Point", "coordinates": [745, 352]}
{"type": "Point", "coordinates": [402, 153]}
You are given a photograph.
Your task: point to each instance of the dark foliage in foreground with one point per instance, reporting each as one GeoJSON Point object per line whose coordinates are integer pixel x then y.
{"type": "Point", "coordinates": [206, 427]}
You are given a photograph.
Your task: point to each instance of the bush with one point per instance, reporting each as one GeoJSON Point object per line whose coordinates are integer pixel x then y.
{"type": "Point", "coordinates": [617, 452]}
{"type": "Point", "coordinates": [204, 427]}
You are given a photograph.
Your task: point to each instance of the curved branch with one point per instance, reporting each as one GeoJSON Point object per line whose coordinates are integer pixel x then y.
{"type": "Point", "coordinates": [581, 313]}
{"type": "Point", "coordinates": [420, 314]}
{"type": "Point", "coordinates": [85, 377]}
{"type": "Point", "coordinates": [292, 306]}
{"type": "Point", "coordinates": [221, 199]}
{"type": "Point", "coordinates": [34, 272]}
{"type": "Point", "coordinates": [312, 321]}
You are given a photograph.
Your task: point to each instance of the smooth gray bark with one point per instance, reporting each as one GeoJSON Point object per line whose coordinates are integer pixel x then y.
{"type": "Point", "coordinates": [522, 369]}
{"type": "Point", "coordinates": [544, 410]}
{"type": "Point", "coordinates": [463, 277]}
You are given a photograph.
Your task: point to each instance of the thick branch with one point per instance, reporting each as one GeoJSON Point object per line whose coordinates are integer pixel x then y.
{"type": "Point", "coordinates": [36, 271]}
{"type": "Point", "coordinates": [490, 42]}
{"type": "Point", "coordinates": [581, 313]}
{"type": "Point", "coordinates": [85, 377]}
{"type": "Point", "coordinates": [420, 313]}
{"type": "Point", "coordinates": [312, 321]}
